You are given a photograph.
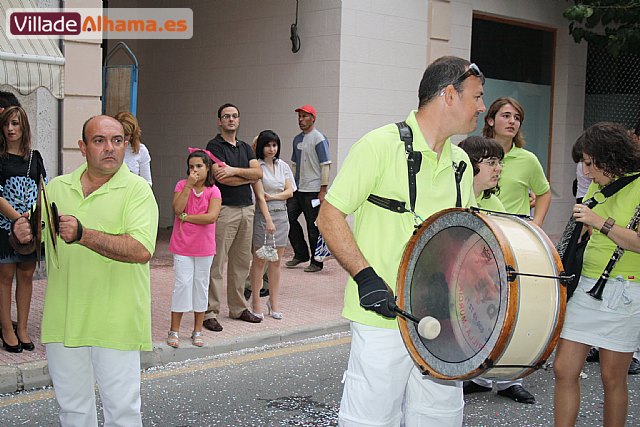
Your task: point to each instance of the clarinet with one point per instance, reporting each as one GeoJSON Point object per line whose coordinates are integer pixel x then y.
{"type": "Point", "coordinates": [598, 288]}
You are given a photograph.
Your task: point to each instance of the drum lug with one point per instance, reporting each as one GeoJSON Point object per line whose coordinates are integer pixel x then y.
{"type": "Point", "coordinates": [487, 364]}
{"type": "Point", "coordinates": [564, 278]}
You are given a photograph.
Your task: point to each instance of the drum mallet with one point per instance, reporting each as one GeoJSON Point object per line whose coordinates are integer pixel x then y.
{"type": "Point", "coordinates": [428, 327]}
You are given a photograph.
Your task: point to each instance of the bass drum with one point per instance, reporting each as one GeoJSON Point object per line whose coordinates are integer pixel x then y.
{"type": "Point", "coordinates": [491, 280]}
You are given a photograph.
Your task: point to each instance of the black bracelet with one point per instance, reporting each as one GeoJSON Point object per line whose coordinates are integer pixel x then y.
{"type": "Point", "coordinates": [79, 233]}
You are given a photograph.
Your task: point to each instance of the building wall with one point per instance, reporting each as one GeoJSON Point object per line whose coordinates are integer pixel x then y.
{"type": "Point", "coordinates": [240, 53]}
{"type": "Point", "coordinates": [360, 65]}
{"type": "Point", "coordinates": [383, 53]}
{"type": "Point", "coordinates": [82, 89]}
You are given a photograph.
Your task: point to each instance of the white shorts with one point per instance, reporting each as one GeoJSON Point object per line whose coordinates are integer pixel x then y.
{"type": "Point", "coordinates": [191, 288]}
{"type": "Point", "coordinates": [382, 386]}
{"type": "Point", "coordinates": [613, 323]}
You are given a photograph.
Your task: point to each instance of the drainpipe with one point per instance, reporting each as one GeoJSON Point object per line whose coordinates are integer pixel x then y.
{"type": "Point", "coordinates": [61, 108]}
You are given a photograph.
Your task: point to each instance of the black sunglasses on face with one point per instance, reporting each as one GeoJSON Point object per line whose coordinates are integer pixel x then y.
{"type": "Point", "coordinates": [472, 71]}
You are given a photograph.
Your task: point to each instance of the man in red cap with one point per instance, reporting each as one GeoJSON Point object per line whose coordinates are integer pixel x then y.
{"type": "Point", "coordinates": [311, 167]}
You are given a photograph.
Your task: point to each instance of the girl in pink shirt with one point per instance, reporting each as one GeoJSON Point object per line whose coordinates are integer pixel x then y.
{"type": "Point", "coordinates": [196, 204]}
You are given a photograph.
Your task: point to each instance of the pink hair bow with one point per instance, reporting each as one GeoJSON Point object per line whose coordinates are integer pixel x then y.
{"type": "Point", "coordinates": [216, 160]}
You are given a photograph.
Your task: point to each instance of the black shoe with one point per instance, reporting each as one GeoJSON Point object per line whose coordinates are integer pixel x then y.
{"type": "Point", "coordinates": [469, 387]}
{"type": "Point", "coordinates": [634, 367]}
{"type": "Point", "coordinates": [264, 293]}
{"type": "Point", "coordinates": [11, 348]}
{"type": "Point", "coordinates": [29, 346]}
{"type": "Point", "coordinates": [212, 325]}
{"type": "Point", "coordinates": [518, 393]}
{"type": "Point", "coordinates": [247, 293]}
{"type": "Point", "coordinates": [594, 355]}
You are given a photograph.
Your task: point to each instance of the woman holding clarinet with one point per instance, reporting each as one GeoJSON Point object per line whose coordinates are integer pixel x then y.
{"type": "Point", "coordinates": [605, 308]}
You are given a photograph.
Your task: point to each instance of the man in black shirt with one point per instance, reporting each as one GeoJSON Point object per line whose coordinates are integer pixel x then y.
{"type": "Point", "coordinates": [234, 228]}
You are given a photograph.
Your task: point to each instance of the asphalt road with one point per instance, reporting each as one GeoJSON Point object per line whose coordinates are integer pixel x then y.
{"type": "Point", "coordinates": [296, 385]}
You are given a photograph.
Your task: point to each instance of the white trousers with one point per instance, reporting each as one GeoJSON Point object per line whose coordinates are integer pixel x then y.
{"type": "Point", "coordinates": [191, 288]}
{"type": "Point", "coordinates": [382, 386]}
{"type": "Point", "coordinates": [75, 370]}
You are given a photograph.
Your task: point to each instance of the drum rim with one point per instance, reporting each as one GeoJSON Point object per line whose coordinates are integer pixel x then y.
{"type": "Point", "coordinates": [498, 339]}
{"type": "Point", "coordinates": [505, 335]}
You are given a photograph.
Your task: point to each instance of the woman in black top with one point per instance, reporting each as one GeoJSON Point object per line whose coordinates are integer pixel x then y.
{"type": "Point", "coordinates": [20, 169]}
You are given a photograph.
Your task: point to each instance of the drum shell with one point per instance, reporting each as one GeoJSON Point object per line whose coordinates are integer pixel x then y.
{"type": "Point", "coordinates": [531, 310]}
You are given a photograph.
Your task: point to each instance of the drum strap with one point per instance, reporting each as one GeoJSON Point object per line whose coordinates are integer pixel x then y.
{"type": "Point", "coordinates": [414, 160]}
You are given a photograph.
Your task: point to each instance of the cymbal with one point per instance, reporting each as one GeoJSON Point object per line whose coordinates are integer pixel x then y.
{"type": "Point", "coordinates": [52, 218]}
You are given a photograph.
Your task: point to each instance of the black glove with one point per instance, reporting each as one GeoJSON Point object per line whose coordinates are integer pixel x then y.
{"type": "Point", "coordinates": [374, 293]}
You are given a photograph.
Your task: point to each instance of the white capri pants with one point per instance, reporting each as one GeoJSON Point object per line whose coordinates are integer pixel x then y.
{"type": "Point", "coordinates": [75, 370]}
{"type": "Point", "coordinates": [382, 386]}
{"type": "Point", "coordinates": [191, 288]}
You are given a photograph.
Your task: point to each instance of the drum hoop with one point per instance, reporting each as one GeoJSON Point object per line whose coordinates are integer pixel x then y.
{"type": "Point", "coordinates": [499, 337]}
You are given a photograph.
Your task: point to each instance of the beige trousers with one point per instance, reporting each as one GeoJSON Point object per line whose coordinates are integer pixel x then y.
{"type": "Point", "coordinates": [234, 231]}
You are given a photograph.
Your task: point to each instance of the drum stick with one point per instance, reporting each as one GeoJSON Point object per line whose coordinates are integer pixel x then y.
{"type": "Point", "coordinates": [428, 327]}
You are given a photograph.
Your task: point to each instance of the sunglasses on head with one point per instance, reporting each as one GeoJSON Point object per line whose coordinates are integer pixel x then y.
{"type": "Point", "coordinates": [472, 71]}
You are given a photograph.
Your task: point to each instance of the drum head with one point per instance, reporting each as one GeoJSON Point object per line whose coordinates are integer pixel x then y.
{"type": "Point", "coordinates": [454, 270]}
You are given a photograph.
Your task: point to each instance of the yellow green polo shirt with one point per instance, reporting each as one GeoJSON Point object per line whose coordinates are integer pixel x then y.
{"type": "Point", "coordinates": [491, 204]}
{"type": "Point", "coordinates": [620, 207]}
{"type": "Point", "coordinates": [92, 300]}
{"type": "Point", "coordinates": [521, 171]}
{"type": "Point", "coordinates": [377, 164]}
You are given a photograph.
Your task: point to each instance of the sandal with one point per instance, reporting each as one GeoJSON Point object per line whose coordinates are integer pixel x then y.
{"type": "Point", "coordinates": [173, 340]}
{"type": "Point", "coordinates": [196, 339]}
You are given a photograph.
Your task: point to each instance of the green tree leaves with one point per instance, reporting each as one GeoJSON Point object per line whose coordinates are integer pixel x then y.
{"type": "Point", "coordinates": [612, 24]}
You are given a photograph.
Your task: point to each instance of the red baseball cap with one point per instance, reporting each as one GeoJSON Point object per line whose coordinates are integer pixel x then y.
{"type": "Point", "coordinates": [308, 109]}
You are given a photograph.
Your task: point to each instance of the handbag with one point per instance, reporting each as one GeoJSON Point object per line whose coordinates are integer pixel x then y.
{"type": "Point", "coordinates": [34, 220]}
{"type": "Point", "coordinates": [322, 250]}
{"type": "Point", "coordinates": [268, 252]}
{"type": "Point", "coordinates": [570, 247]}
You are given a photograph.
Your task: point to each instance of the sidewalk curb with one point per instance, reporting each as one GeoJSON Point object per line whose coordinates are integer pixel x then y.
{"type": "Point", "coordinates": [162, 354]}
{"type": "Point", "coordinates": [31, 375]}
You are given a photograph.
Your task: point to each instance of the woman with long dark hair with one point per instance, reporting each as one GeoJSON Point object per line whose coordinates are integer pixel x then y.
{"type": "Point", "coordinates": [20, 170]}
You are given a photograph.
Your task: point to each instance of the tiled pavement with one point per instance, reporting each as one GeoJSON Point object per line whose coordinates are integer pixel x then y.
{"type": "Point", "coordinates": [311, 304]}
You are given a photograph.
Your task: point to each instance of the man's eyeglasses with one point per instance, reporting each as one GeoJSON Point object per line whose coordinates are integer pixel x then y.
{"type": "Point", "coordinates": [228, 116]}
{"type": "Point", "coordinates": [472, 71]}
{"type": "Point", "coordinates": [493, 162]}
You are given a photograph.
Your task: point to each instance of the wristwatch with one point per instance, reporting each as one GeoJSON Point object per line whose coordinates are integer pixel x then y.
{"type": "Point", "coordinates": [606, 227]}
{"type": "Point", "coordinates": [182, 216]}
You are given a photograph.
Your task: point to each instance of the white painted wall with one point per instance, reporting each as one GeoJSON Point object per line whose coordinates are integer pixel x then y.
{"type": "Point", "coordinates": [240, 53]}
{"type": "Point", "coordinates": [383, 53]}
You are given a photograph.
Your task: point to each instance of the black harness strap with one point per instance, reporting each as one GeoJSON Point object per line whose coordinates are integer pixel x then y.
{"type": "Point", "coordinates": [459, 171]}
{"type": "Point", "coordinates": [414, 160]}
